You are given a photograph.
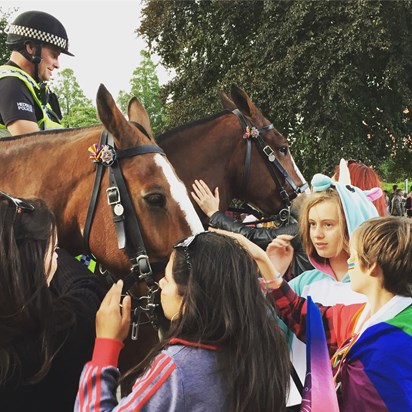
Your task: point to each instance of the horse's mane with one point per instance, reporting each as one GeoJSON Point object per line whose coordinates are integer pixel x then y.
{"type": "Point", "coordinates": [44, 133]}
{"type": "Point", "coordinates": [162, 137]}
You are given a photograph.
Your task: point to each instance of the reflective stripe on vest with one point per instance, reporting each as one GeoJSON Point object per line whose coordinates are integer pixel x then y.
{"type": "Point", "coordinates": [45, 122]}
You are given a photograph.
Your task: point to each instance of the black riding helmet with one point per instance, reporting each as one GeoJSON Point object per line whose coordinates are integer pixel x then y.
{"type": "Point", "coordinates": [39, 27]}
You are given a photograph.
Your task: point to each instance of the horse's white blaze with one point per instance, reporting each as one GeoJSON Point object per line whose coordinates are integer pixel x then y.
{"type": "Point", "coordinates": [307, 191]}
{"type": "Point", "coordinates": [179, 193]}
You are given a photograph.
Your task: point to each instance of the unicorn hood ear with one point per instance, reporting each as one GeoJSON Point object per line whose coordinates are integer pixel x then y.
{"type": "Point", "coordinates": [345, 179]}
{"type": "Point", "coordinates": [357, 204]}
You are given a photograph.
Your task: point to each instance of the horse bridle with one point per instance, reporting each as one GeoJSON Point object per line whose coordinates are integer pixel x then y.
{"type": "Point", "coordinates": [272, 164]}
{"type": "Point", "coordinates": [129, 237]}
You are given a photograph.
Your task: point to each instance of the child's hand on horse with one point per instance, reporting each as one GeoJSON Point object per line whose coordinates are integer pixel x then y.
{"type": "Point", "coordinates": [206, 200]}
{"type": "Point", "coordinates": [113, 316]}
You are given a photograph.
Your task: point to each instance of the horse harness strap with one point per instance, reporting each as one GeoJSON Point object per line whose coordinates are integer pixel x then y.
{"type": "Point", "coordinates": [128, 237]}
{"type": "Point", "coordinates": [271, 162]}
{"type": "Point", "coordinates": [248, 156]}
{"type": "Point", "coordinates": [120, 202]}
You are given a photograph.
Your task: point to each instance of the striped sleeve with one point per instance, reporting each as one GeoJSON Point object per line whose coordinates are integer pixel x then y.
{"type": "Point", "coordinates": [157, 390]}
{"type": "Point", "coordinates": [292, 309]}
{"type": "Point", "coordinates": [99, 379]}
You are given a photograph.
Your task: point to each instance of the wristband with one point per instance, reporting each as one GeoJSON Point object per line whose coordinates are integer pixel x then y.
{"type": "Point", "coordinates": [270, 284]}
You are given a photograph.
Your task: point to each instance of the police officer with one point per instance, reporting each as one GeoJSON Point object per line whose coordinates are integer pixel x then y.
{"type": "Point", "coordinates": [36, 39]}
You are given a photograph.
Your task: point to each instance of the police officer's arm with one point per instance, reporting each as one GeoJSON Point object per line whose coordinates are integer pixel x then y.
{"type": "Point", "coordinates": [22, 126]}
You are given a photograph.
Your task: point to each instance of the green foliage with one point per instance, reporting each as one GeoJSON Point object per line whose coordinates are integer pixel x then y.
{"type": "Point", "coordinates": [401, 185]}
{"type": "Point", "coordinates": [77, 109]}
{"type": "Point", "coordinates": [69, 92]}
{"type": "Point", "coordinates": [397, 167]}
{"type": "Point", "coordinates": [4, 21]}
{"type": "Point", "coordinates": [80, 116]}
{"type": "Point", "coordinates": [335, 77]}
{"type": "Point", "coordinates": [145, 86]}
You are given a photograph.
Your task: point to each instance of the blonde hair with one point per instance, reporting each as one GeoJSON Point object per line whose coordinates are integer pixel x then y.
{"type": "Point", "coordinates": [314, 199]}
{"type": "Point", "coordinates": [387, 242]}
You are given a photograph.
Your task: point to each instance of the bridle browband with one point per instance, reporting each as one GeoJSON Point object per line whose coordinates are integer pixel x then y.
{"type": "Point", "coordinates": [272, 163]}
{"type": "Point", "coordinates": [129, 236]}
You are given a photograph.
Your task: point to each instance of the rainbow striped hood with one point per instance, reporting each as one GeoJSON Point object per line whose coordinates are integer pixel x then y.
{"type": "Point", "coordinates": [388, 387]}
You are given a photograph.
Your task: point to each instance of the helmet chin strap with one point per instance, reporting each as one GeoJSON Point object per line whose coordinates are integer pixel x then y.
{"type": "Point", "coordinates": [33, 58]}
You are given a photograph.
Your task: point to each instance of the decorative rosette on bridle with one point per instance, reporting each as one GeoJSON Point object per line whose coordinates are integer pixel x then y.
{"type": "Point", "coordinates": [104, 154]}
{"type": "Point", "coordinates": [251, 132]}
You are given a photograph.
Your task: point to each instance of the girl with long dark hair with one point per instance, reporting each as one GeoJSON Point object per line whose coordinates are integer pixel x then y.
{"type": "Point", "coordinates": [223, 351]}
{"type": "Point", "coordinates": [48, 302]}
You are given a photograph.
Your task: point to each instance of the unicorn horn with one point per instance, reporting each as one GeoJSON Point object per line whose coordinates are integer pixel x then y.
{"type": "Point", "coordinates": [344, 175]}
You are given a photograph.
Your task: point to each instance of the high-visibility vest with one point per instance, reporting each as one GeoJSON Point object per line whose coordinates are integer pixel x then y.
{"type": "Point", "coordinates": [45, 122]}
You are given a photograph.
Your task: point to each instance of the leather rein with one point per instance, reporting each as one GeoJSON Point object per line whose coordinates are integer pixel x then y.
{"type": "Point", "coordinates": [129, 236]}
{"type": "Point", "coordinates": [253, 134]}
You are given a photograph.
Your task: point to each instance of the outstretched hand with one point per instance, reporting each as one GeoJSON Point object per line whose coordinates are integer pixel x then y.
{"type": "Point", "coordinates": [280, 252]}
{"type": "Point", "coordinates": [267, 269]}
{"type": "Point", "coordinates": [204, 197]}
{"type": "Point", "coordinates": [113, 320]}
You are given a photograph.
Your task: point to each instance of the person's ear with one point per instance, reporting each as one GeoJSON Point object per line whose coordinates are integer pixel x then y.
{"type": "Point", "coordinates": [375, 270]}
{"type": "Point", "coordinates": [31, 50]}
{"type": "Point", "coordinates": [30, 47]}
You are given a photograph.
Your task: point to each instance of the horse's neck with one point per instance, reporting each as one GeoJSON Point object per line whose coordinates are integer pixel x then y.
{"type": "Point", "coordinates": [44, 161]}
{"type": "Point", "coordinates": [205, 151]}
{"type": "Point", "coordinates": [46, 145]}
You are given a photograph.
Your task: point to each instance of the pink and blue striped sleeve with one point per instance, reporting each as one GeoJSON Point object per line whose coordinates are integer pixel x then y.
{"type": "Point", "coordinates": [156, 390]}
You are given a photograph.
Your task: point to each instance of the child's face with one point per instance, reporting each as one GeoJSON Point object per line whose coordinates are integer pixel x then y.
{"type": "Point", "coordinates": [169, 297]}
{"type": "Point", "coordinates": [324, 229]}
{"type": "Point", "coordinates": [358, 278]}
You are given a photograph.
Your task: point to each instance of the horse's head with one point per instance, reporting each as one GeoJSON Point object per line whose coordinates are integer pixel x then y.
{"type": "Point", "coordinates": [158, 198]}
{"type": "Point", "coordinates": [274, 148]}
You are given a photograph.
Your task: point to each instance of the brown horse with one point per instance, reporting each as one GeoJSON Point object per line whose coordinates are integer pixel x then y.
{"type": "Point", "coordinates": [217, 149]}
{"type": "Point", "coordinates": [55, 166]}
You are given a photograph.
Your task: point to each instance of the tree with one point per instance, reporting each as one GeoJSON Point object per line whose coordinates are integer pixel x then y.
{"type": "Point", "coordinates": [77, 109]}
{"type": "Point", "coordinates": [334, 77]}
{"type": "Point", "coordinates": [145, 86]}
{"type": "Point", "coordinates": [4, 21]}
{"type": "Point", "coordinates": [81, 116]}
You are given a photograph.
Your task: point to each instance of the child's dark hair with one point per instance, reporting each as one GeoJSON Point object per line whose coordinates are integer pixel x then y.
{"type": "Point", "coordinates": [28, 316]}
{"type": "Point", "coordinates": [224, 306]}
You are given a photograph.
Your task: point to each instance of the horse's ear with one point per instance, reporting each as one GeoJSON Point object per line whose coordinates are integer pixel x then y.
{"type": "Point", "coordinates": [113, 119]}
{"type": "Point", "coordinates": [137, 113]}
{"type": "Point", "coordinates": [242, 101]}
{"type": "Point", "coordinates": [226, 102]}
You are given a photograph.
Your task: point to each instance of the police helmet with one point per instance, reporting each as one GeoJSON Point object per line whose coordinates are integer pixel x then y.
{"type": "Point", "coordinates": [40, 27]}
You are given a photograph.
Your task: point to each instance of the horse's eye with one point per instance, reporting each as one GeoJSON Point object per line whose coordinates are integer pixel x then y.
{"type": "Point", "coordinates": [283, 150]}
{"type": "Point", "coordinates": [155, 200]}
